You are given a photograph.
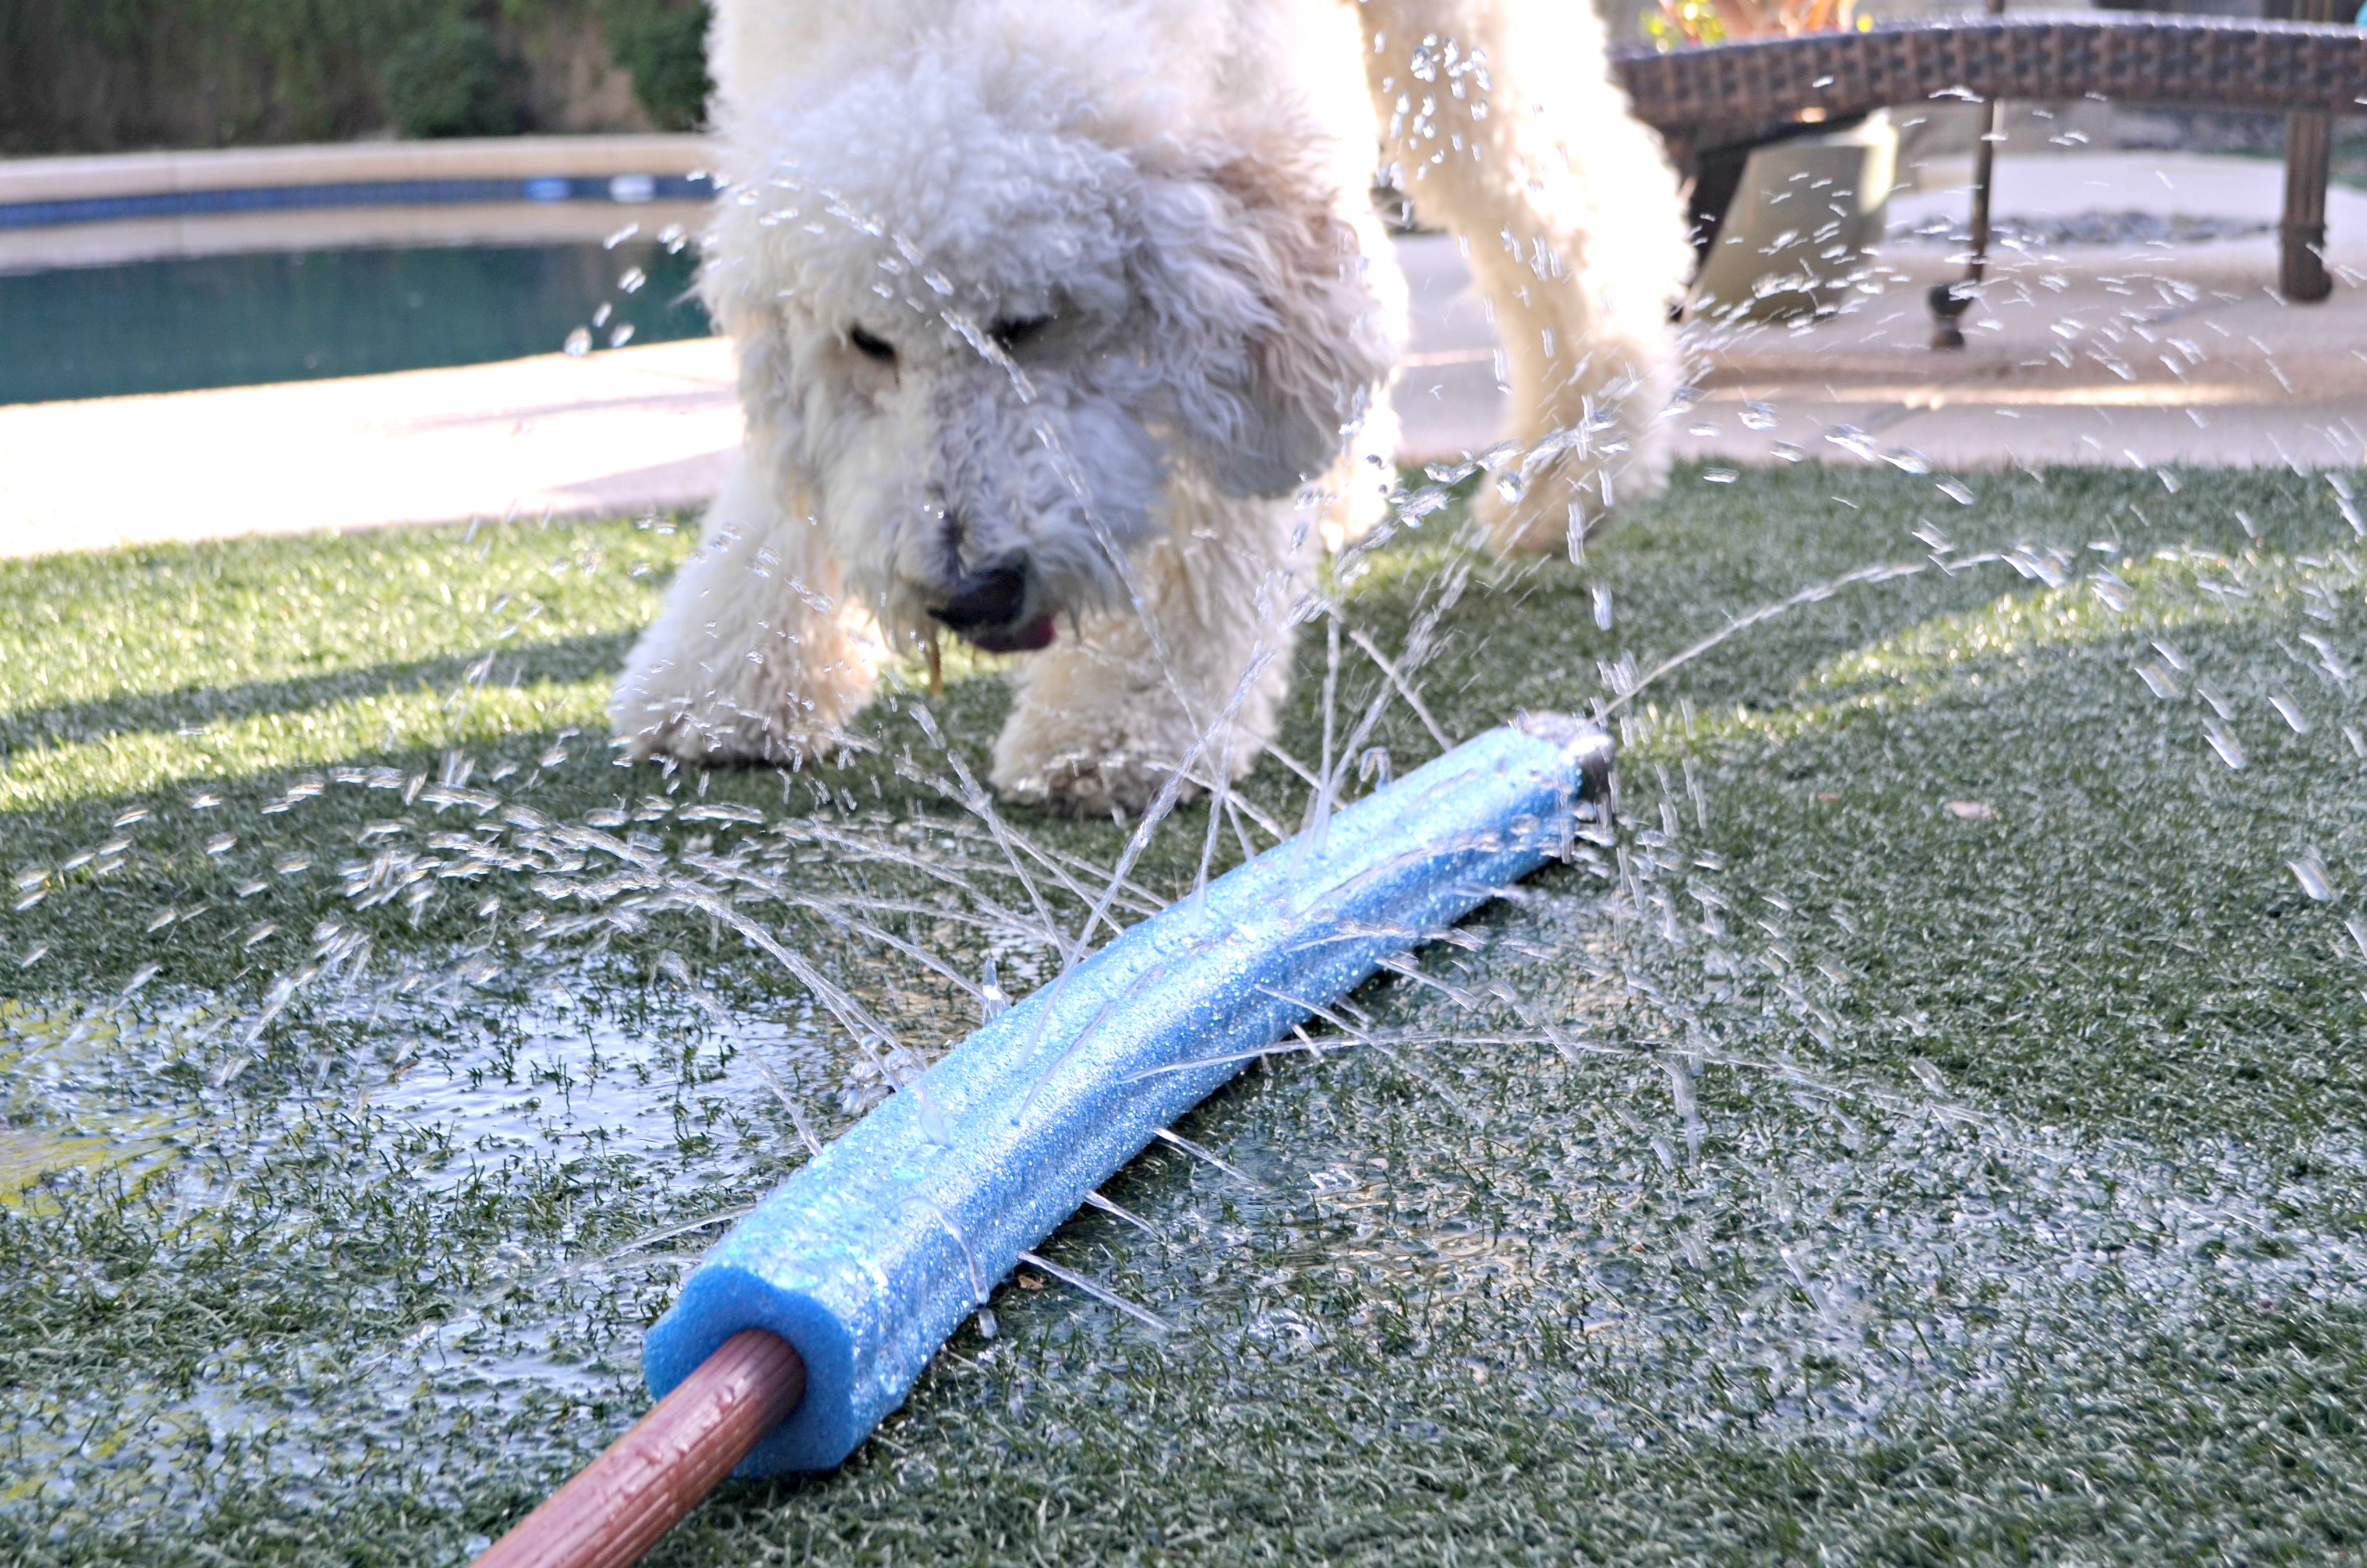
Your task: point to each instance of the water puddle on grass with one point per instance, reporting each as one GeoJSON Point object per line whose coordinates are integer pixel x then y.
{"type": "Point", "coordinates": [90, 1090]}
{"type": "Point", "coordinates": [560, 1075]}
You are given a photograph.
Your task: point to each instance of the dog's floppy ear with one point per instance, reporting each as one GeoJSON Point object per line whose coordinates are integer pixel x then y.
{"type": "Point", "coordinates": [1266, 335]}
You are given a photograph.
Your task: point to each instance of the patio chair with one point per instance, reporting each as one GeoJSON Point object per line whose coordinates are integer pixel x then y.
{"type": "Point", "coordinates": [1712, 100]}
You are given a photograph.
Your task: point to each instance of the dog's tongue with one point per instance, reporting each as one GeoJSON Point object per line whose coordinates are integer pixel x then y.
{"type": "Point", "coordinates": [1037, 633]}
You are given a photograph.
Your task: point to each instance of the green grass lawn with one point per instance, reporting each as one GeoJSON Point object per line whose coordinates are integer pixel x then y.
{"type": "Point", "coordinates": [1930, 1134]}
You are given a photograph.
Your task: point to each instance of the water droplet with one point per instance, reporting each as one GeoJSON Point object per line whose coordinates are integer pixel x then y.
{"type": "Point", "coordinates": [578, 344]}
{"type": "Point", "coordinates": [1855, 441]}
{"type": "Point", "coordinates": [992, 999]}
{"type": "Point", "coordinates": [2223, 741]}
{"type": "Point", "coordinates": [2343, 503]}
{"type": "Point", "coordinates": [2311, 874]}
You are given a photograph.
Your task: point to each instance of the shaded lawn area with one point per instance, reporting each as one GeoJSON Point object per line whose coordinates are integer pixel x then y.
{"type": "Point", "coordinates": [1930, 1133]}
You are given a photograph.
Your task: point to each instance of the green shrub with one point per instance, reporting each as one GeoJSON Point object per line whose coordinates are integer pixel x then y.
{"type": "Point", "coordinates": [445, 80]}
{"type": "Point", "coordinates": [101, 75]}
{"type": "Point", "coordinates": [664, 46]}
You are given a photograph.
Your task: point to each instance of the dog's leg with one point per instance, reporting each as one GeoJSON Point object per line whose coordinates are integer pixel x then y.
{"type": "Point", "coordinates": [1105, 719]}
{"type": "Point", "coordinates": [1503, 123]}
{"type": "Point", "coordinates": [1355, 492]}
{"type": "Point", "coordinates": [751, 657]}
{"type": "Point", "coordinates": [1352, 496]}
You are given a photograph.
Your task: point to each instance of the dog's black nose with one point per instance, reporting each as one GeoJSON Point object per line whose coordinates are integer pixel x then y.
{"type": "Point", "coordinates": [993, 598]}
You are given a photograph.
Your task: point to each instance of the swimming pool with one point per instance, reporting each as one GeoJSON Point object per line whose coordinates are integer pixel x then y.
{"type": "Point", "coordinates": [181, 323]}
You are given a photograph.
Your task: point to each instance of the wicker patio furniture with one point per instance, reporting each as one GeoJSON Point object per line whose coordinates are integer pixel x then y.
{"type": "Point", "coordinates": [1735, 94]}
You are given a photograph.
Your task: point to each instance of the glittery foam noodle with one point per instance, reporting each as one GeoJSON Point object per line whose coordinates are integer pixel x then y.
{"type": "Point", "coordinates": [874, 1252]}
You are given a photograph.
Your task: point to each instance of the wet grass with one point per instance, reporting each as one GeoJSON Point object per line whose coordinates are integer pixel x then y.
{"type": "Point", "coordinates": [1951, 1152]}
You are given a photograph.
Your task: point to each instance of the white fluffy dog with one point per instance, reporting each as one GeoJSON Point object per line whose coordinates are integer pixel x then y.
{"type": "Point", "coordinates": [1066, 326]}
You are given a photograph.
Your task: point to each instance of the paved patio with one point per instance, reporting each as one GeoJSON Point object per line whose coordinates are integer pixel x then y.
{"type": "Point", "coordinates": [2143, 354]}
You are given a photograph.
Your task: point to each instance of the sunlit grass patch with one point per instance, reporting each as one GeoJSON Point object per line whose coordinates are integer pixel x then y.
{"type": "Point", "coordinates": [154, 619]}
{"type": "Point", "coordinates": [138, 761]}
{"type": "Point", "coordinates": [65, 1111]}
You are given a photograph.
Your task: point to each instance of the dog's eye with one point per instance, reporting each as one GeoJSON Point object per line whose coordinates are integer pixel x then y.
{"type": "Point", "coordinates": [1013, 331]}
{"type": "Point", "coordinates": [871, 347]}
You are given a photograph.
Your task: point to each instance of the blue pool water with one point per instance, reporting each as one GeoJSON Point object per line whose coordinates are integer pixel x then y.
{"type": "Point", "coordinates": [173, 324]}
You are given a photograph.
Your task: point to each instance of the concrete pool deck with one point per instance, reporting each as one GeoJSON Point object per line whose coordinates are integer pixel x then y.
{"type": "Point", "coordinates": [2130, 354]}
{"type": "Point", "coordinates": [623, 431]}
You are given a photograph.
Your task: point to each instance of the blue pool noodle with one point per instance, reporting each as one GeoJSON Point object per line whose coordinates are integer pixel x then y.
{"type": "Point", "coordinates": [875, 1251]}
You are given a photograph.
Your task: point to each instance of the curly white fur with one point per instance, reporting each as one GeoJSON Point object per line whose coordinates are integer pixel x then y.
{"type": "Point", "coordinates": [1073, 321]}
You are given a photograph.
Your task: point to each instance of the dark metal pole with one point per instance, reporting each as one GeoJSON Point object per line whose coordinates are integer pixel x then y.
{"type": "Point", "coordinates": [2309, 146]}
{"type": "Point", "coordinates": [1951, 300]}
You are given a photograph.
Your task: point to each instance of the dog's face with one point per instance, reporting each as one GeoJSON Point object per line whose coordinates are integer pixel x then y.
{"type": "Point", "coordinates": [986, 301]}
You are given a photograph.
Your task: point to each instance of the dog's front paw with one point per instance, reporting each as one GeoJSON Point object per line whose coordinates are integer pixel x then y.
{"type": "Point", "coordinates": [1546, 519]}
{"type": "Point", "coordinates": [1081, 784]}
{"type": "Point", "coordinates": [1548, 502]}
{"type": "Point", "coordinates": [1105, 721]}
{"type": "Point", "coordinates": [1547, 494]}
{"type": "Point", "coordinates": [708, 739]}
{"type": "Point", "coordinates": [772, 712]}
